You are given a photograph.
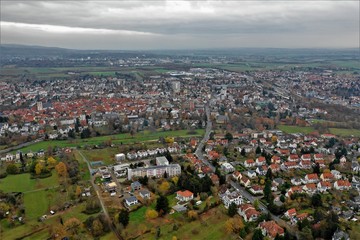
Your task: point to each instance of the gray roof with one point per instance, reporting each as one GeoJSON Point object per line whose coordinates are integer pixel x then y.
{"type": "Point", "coordinates": [135, 184]}
{"type": "Point", "coordinates": [144, 192]}
{"type": "Point", "coordinates": [131, 199]}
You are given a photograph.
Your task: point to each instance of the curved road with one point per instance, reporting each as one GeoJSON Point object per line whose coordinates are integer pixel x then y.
{"type": "Point", "coordinates": [96, 188]}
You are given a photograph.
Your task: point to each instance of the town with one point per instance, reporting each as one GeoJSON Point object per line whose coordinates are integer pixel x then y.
{"type": "Point", "coordinates": [189, 151]}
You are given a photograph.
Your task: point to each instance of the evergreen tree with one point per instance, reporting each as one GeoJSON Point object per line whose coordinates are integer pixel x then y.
{"type": "Point", "coordinates": [162, 205]}
{"type": "Point", "coordinates": [232, 210]}
{"type": "Point", "coordinates": [124, 217]}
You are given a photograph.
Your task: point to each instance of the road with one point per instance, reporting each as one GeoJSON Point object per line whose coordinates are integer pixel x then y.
{"type": "Point", "coordinates": [199, 150]}
{"type": "Point", "coordinates": [21, 146]}
{"type": "Point", "coordinates": [96, 188]}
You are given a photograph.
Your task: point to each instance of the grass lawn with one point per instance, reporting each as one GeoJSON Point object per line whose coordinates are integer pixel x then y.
{"type": "Point", "coordinates": [124, 138]}
{"type": "Point", "coordinates": [23, 183]}
{"type": "Point", "coordinates": [295, 129]}
{"type": "Point", "coordinates": [38, 203]}
{"type": "Point", "coordinates": [342, 132]}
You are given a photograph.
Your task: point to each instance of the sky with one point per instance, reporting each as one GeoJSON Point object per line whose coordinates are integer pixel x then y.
{"type": "Point", "coordinates": [146, 25]}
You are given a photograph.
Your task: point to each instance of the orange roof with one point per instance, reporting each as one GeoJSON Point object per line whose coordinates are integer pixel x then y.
{"type": "Point", "coordinates": [185, 193]}
{"type": "Point", "coordinates": [272, 228]}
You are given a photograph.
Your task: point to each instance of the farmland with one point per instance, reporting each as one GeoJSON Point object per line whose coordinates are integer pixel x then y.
{"type": "Point", "coordinates": [296, 129]}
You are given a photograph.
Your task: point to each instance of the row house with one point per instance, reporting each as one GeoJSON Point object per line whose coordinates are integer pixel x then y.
{"type": "Point", "coordinates": [323, 186]}
{"type": "Point", "coordinates": [311, 178]}
{"type": "Point", "coordinates": [342, 185]}
{"type": "Point", "coordinates": [249, 163]}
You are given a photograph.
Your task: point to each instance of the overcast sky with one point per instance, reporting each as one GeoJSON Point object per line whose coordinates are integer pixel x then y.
{"type": "Point", "coordinates": [181, 24]}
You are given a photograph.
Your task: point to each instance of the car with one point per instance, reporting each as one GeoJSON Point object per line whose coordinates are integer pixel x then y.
{"type": "Point", "coordinates": [52, 212]}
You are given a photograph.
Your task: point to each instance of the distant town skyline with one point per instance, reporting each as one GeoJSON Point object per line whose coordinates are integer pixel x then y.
{"type": "Point", "coordinates": [151, 25]}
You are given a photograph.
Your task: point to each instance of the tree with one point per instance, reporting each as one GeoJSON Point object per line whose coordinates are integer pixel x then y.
{"type": "Point", "coordinates": [257, 235]}
{"type": "Point", "coordinates": [38, 168]}
{"type": "Point", "coordinates": [229, 136]}
{"type": "Point", "coordinates": [256, 204]}
{"type": "Point", "coordinates": [151, 214]}
{"type": "Point", "coordinates": [258, 150]}
{"type": "Point", "coordinates": [162, 205]}
{"type": "Point", "coordinates": [51, 162]}
{"type": "Point", "coordinates": [124, 217]}
{"type": "Point", "coordinates": [144, 180]}
{"type": "Point", "coordinates": [97, 228]}
{"type": "Point", "coordinates": [23, 163]}
{"type": "Point", "coordinates": [234, 225]}
{"type": "Point", "coordinates": [316, 168]}
{"type": "Point", "coordinates": [243, 153]}
{"type": "Point", "coordinates": [269, 174]}
{"type": "Point", "coordinates": [73, 226]}
{"type": "Point", "coordinates": [61, 169]}
{"type": "Point", "coordinates": [192, 214]}
{"type": "Point", "coordinates": [78, 191]}
{"type": "Point", "coordinates": [12, 169]}
{"type": "Point", "coordinates": [316, 200]}
{"type": "Point", "coordinates": [232, 209]}
{"type": "Point", "coordinates": [267, 191]}
{"type": "Point", "coordinates": [164, 187]}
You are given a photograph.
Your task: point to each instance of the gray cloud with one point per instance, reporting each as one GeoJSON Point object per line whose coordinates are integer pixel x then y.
{"type": "Point", "coordinates": [181, 24]}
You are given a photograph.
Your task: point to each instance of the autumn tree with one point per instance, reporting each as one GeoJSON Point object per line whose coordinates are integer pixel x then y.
{"type": "Point", "coordinates": [38, 168]}
{"type": "Point", "coordinates": [151, 214]}
{"type": "Point", "coordinates": [61, 169]}
{"type": "Point", "coordinates": [164, 187]}
{"type": "Point", "coordinates": [234, 225]}
{"type": "Point", "coordinates": [78, 191]}
{"type": "Point", "coordinates": [51, 162]}
{"type": "Point", "coordinates": [97, 228]}
{"type": "Point", "coordinates": [73, 226]}
{"type": "Point", "coordinates": [192, 215]}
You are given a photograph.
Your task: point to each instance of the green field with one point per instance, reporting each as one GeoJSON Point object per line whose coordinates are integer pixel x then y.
{"type": "Point", "coordinates": [342, 132]}
{"type": "Point", "coordinates": [38, 203]}
{"type": "Point", "coordinates": [123, 138]}
{"type": "Point", "coordinates": [295, 129]}
{"type": "Point", "coordinates": [23, 183]}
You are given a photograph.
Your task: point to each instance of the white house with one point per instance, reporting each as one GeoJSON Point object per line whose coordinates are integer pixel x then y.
{"type": "Point", "coordinates": [184, 196]}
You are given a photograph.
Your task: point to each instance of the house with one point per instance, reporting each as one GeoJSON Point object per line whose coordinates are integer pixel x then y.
{"type": "Point", "coordinates": [184, 196]}
{"type": "Point", "coordinates": [290, 213]}
{"type": "Point", "coordinates": [318, 156]}
{"type": "Point", "coordinates": [244, 181]}
{"type": "Point", "coordinates": [260, 161]}
{"type": "Point", "coordinates": [323, 186]}
{"type": "Point", "coordinates": [306, 157]}
{"type": "Point", "coordinates": [261, 170]}
{"type": "Point", "coordinates": [251, 174]}
{"type": "Point", "coordinates": [227, 167]}
{"type": "Point", "coordinates": [327, 176]}
{"type": "Point", "coordinates": [236, 175]}
{"type": "Point", "coordinates": [305, 164]}
{"type": "Point", "coordinates": [275, 159]}
{"type": "Point", "coordinates": [135, 186]}
{"type": "Point", "coordinates": [310, 188]}
{"type": "Point", "coordinates": [336, 174]}
{"type": "Point", "coordinates": [289, 165]}
{"type": "Point", "coordinates": [144, 194]}
{"type": "Point", "coordinates": [232, 197]}
{"type": "Point", "coordinates": [161, 161]}
{"type": "Point", "coordinates": [271, 229]}
{"type": "Point", "coordinates": [343, 160]}
{"type": "Point", "coordinates": [248, 212]}
{"type": "Point", "coordinates": [311, 178]}
{"type": "Point", "coordinates": [321, 163]}
{"type": "Point", "coordinates": [274, 167]}
{"type": "Point", "coordinates": [215, 179]}
{"type": "Point", "coordinates": [342, 185]}
{"type": "Point", "coordinates": [294, 189]}
{"type": "Point", "coordinates": [249, 163]}
{"type": "Point", "coordinates": [256, 189]}
{"type": "Point", "coordinates": [301, 216]}
{"type": "Point", "coordinates": [340, 235]}
{"type": "Point", "coordinates": [296, 181]}
{"type": "Point", "coordinates": [131, 201]}
{"type": "Point", "coordinates": [293, 158]}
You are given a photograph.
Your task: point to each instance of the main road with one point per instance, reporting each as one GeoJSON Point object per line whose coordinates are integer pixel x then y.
{"type": "Point", "coordinates": [199, 150]}
{"type": "Point", "coordinates": [96, 188]}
